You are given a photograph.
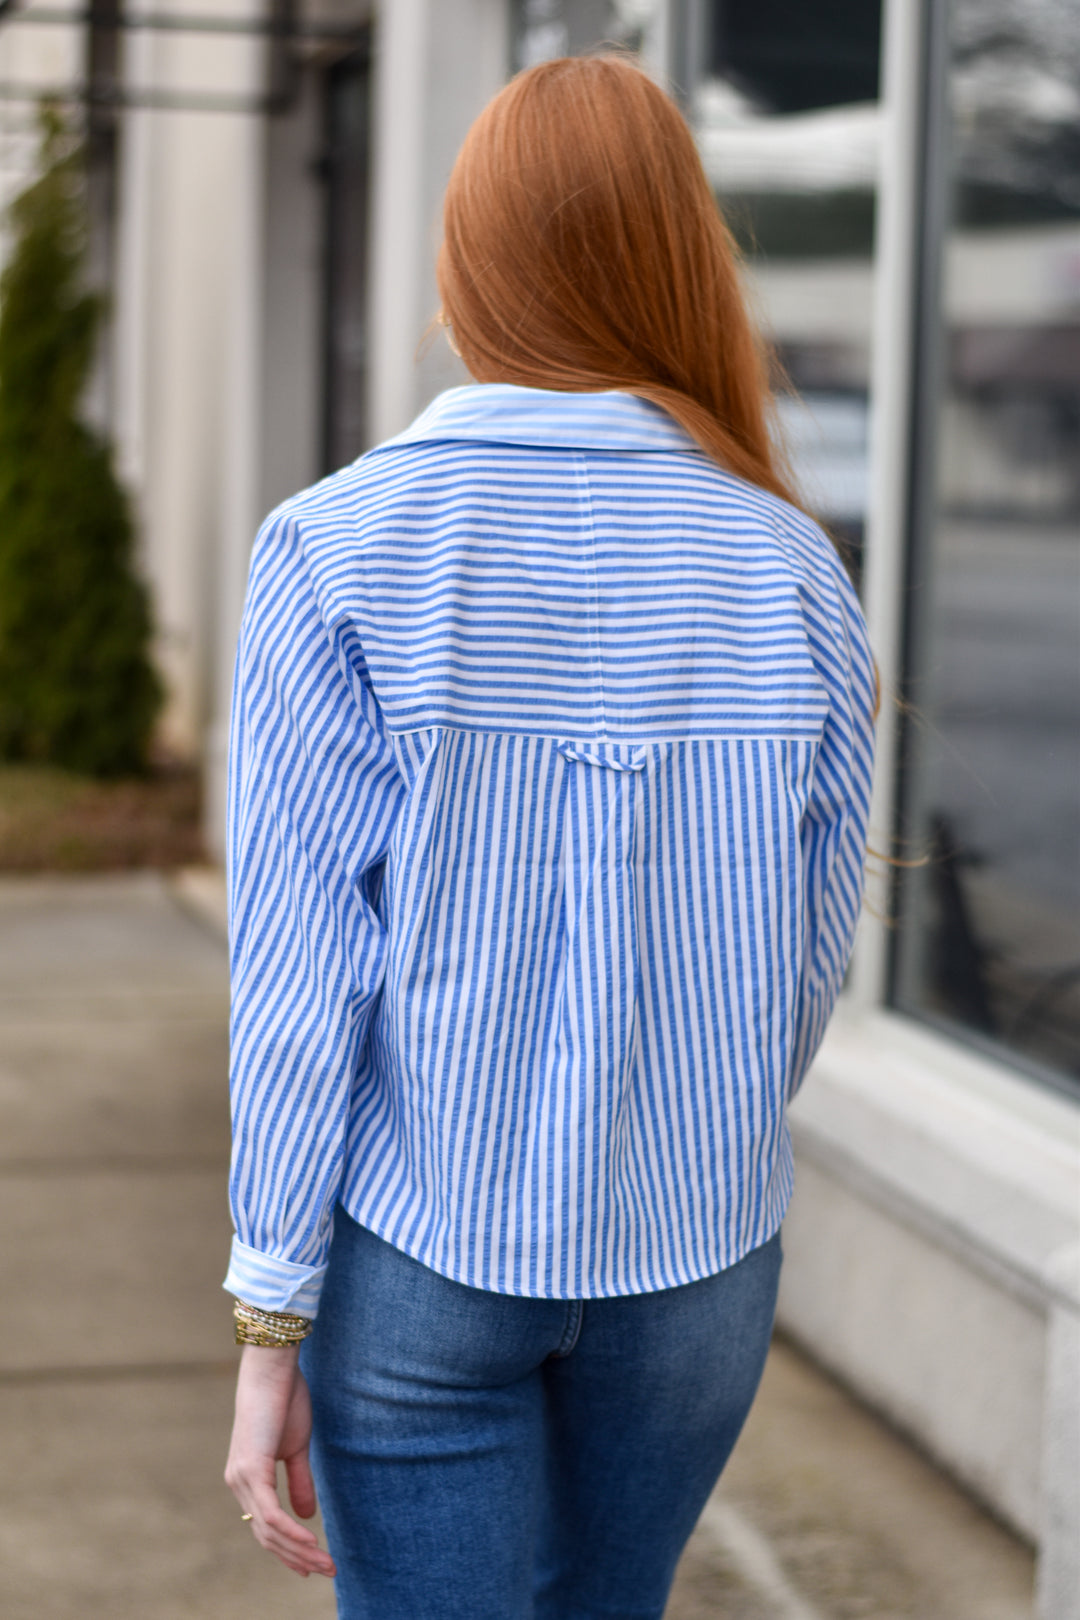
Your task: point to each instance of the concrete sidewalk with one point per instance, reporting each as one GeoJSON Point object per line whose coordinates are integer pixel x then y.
{"type": "Point", "coordinates": [116, 1364]}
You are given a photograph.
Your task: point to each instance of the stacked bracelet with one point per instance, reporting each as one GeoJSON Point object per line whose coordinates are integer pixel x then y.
{"type": "Point", "coordinates": [269, 1328]}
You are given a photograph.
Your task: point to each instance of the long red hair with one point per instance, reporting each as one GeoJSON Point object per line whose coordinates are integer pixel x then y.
{"type": "Point", "coordinates": [583, 250]}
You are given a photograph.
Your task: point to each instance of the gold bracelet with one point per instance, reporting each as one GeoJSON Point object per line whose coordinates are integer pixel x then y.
{"type": "Point", "coordinates": [269, 1328]}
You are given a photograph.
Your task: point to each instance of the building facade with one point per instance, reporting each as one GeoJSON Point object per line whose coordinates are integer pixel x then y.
{"type": "Point", "coordinates": [265, 182]}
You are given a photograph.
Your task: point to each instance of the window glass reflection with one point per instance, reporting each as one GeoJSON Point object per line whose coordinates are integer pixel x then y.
{"type": "Point", "coordinates": [990, 929]}
{"type": "Point", "coordinates": [788, 124]}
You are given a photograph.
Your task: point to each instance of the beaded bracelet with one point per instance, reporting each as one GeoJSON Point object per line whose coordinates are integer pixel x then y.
{"type": "Point", "coordinates": [269, 1328]}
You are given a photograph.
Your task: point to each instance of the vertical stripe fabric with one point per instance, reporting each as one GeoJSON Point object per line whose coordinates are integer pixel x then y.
{"type": "Point", "coordinates": [549, 781]}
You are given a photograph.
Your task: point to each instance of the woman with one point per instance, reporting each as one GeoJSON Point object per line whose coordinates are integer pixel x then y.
{"type": "Point", "coordinates": [551, 768]}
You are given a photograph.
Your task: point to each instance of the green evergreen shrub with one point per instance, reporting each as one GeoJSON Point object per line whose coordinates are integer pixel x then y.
{"type": "Point", "coordinates": [77, 688]}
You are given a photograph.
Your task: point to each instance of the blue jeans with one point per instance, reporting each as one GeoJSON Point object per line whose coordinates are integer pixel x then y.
{"type": "Point", "coordinates": [484, 1457]}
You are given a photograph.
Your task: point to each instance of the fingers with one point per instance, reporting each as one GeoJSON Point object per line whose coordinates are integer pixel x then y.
{"type": "Point", "coordinates": [301, 1484]}
{"type": "Point", "coordinates": [273, 1528]}
{"type": "Point", "coordinates": [292, 1543]}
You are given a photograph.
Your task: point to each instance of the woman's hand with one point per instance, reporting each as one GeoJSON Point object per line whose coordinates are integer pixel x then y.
{"type": "Point", "coordinates": [272, 1425]}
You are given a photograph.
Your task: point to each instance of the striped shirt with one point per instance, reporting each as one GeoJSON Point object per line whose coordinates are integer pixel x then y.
{"type": "Point", "coordinates": [550, 774]}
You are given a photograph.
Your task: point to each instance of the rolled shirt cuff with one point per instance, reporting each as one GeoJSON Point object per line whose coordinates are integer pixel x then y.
{"type": "Point", "coordinates": [273, 1284]}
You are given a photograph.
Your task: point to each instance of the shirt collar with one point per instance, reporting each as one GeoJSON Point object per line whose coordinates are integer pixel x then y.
{"type": "Point", "coordinates": [503, 413]}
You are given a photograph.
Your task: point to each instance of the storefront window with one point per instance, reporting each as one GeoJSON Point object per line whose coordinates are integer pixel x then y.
{"type": "Point", "coordinates": [785, 106]}
{"type": "Point", "coordinates": [989, 935]}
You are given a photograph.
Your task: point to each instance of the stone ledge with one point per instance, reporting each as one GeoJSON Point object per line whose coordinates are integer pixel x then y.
{"type": "Point", "coordinates": [984, 1162]}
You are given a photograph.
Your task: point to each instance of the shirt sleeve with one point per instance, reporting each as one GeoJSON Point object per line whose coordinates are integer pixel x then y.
{"type": "Point", "coordinates": [314, 792]}
{"type": "Point", "coordinates": [835, 824]}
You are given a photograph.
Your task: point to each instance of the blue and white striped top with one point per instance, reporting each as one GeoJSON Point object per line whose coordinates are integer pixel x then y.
{"type": "Point", "coordinates": [550, 774]}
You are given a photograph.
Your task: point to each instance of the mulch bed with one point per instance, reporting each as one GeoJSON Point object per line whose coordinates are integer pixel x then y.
{"type": "Point", "coordinates": [51, 821]}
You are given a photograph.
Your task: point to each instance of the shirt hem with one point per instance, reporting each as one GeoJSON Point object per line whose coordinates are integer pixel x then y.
{"type": "Point", "coordinates": [687, 1275]}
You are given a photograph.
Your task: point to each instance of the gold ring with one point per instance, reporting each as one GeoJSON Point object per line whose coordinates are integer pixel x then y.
{"type": "Point", "coordinates": [246, 1517]}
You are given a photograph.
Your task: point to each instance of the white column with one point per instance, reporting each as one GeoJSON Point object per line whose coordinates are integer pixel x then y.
{"type": "Point", "coordinates": [437, 63]}
{"type": "Point", "coordinates": [397, 235]}
{"type": "Point", "coordinates": [891, 377]}
{"type": "Point", "coordinates": [187, 296]}
{"type": "Point", "coordinates": [240, 377]}
{"type": "Point", "coordinates": [239, 512]}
